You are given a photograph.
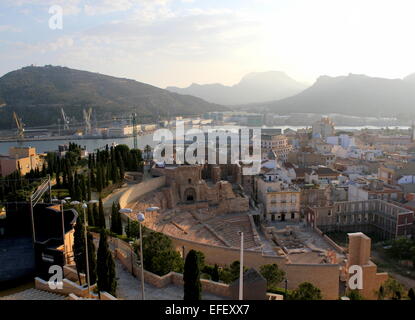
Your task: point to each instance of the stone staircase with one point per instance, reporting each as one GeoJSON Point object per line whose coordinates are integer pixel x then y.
{"type": "Point", "coordinates": [228, 228]}
{"type": "Point", "coordinates": [33, 294]}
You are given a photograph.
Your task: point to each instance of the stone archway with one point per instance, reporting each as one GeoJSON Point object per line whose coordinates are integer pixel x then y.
{"type": "Point", "coordinates": [190, 195]}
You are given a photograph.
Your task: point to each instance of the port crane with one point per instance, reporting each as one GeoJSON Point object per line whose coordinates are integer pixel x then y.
{"type": "Point", "coordinates": [133, 120]}
{"type": "Point", "coordinates": [20, 127]}
{"type": "Point", "coordinates": [87, 119]}
{"type": "Point", "coordinates": [65, 120]}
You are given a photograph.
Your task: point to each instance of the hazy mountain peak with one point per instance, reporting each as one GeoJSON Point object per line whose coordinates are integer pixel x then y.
{"type": "Point", "coordinates": [266, 74]}
{"type": "Point", "coordinates": [253, 87]}
{"type": "Point", "coordinates": [355, 94]}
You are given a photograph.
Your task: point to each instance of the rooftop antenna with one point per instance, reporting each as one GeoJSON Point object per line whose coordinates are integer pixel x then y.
{"type": "Point", "coordinates": [413, 131]}
{"type": "Point", "coordinates": [134, 123]}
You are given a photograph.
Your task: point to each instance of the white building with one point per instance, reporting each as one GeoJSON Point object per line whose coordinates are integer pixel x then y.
{"type": "Point", "coordinates": [343, 140]}
{"type": "Point", "coordinates": [323, 128]}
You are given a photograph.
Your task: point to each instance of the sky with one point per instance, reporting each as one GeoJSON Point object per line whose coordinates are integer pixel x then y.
{"type": "Point", "coordinates": [179, 42]}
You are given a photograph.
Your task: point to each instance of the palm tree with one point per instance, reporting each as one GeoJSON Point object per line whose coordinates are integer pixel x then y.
{"type": "Point", "coordinates": [147, 151]}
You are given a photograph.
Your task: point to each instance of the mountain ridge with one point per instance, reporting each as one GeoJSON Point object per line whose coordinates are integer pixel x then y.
{"type": "Point", "coordinates": [253, 87]}
{"type": "Point", "coordinates": [355, 94]}
{"type": "Point", "coordinates": [47, 88]}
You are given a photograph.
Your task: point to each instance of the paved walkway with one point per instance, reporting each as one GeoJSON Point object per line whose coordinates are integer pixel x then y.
{"type": "Point", "coordinates": [129, 288]}
{"type": "Point", "coordinates": [33, 294]}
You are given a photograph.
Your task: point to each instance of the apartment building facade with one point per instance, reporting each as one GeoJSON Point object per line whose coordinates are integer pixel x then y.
{"type": "Point", "coordinates": [281, 201]}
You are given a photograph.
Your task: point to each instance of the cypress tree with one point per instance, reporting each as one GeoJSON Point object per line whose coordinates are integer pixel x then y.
{"type": "Point", "coordinates": [93, 179]}
{"type": "Point", "coordinates": [89, 191]}
{"type": "Point", "coordinates": [92, 259]}
{"type": "Point", "coordinates": [78, 192]}
{"type": "Point", "coordinates": [91, 220]}
{"type": "Point", "coordinates": [102, 176]}
{"type": "Point", "coordinates": [64, 179]}
{"type": "Point", "coordinates": [215, 273]}
{"type": "Point", "coordinates": [114, 222]}
{"type": "Point", "coordinates": [101, 215]}
{"type": "Point", "coordinates": [83, 187]}
{"type": "Point", "coordinates": [115, 175]}
{"type": "Point", "coordinates": [2, 191]}
{"type": "Point", "coordinates": [108, 174]}
{"type": "Point", "coordinates": [79, 247]}
{"type": "Point", "coordinates": [99, 179]}
{"type": "Point", "coordinates": [95, 214]}
{"type": "Point", "coordinates": [105, 266]}
{"type": "Point", "coordinates": [58, 180]}
{"type": "Point", "coordinates": [127, 228]}
{"type": "Point", "coordinates": [191, 277]}
{"type": "Point", "coordinates": [119, 221]}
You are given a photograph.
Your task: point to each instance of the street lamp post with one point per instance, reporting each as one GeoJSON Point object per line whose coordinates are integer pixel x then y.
{"type": "Point", "coordinates": [286, 287]}
{"type": "Point", "coordinates": [61, 203]}
{"type": "Point", "coordinates": [241, 269]}
{"type": "Point", "coordinates": [141, 219]}
{"type": "Point", "coordinates": [84, 206]}
{"type": "Point", "coordinates": [131, 256]}
{"type": "Point", "coordinates": [63, 231]}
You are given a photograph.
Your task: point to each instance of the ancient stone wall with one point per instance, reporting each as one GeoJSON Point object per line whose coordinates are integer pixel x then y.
{"type": "Point", "coordinates": [138, 190]}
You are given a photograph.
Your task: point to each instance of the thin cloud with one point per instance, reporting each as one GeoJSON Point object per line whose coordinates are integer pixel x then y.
{"type": "Point", "coordinates": [9, 28]}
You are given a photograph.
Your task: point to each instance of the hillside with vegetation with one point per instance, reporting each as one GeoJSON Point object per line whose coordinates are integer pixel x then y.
{"type": "Point", "coordinates": [36, 94]}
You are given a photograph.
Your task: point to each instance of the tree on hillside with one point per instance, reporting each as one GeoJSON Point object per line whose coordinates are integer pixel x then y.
{"type": "Point", "coordinates": [231, 273]}
{"type": "Point", "coordinates": [306, 291]}
{"type": "Point", "coordinates": [191, 277]}
{"type": "Point", "coordinates": [411, 294]}
{"type": "Point", "coordinates": [105, 266]}
{"type": "Point", "coordinates": [272, 274]}
{"type": "Point", "coordinates": [159, 254]}
{"type": "Point", "coordinates": [79, 247]}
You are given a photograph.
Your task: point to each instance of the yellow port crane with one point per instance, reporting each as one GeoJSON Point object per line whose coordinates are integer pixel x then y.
{"type": "Point", "coordinates": [20, 126]}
